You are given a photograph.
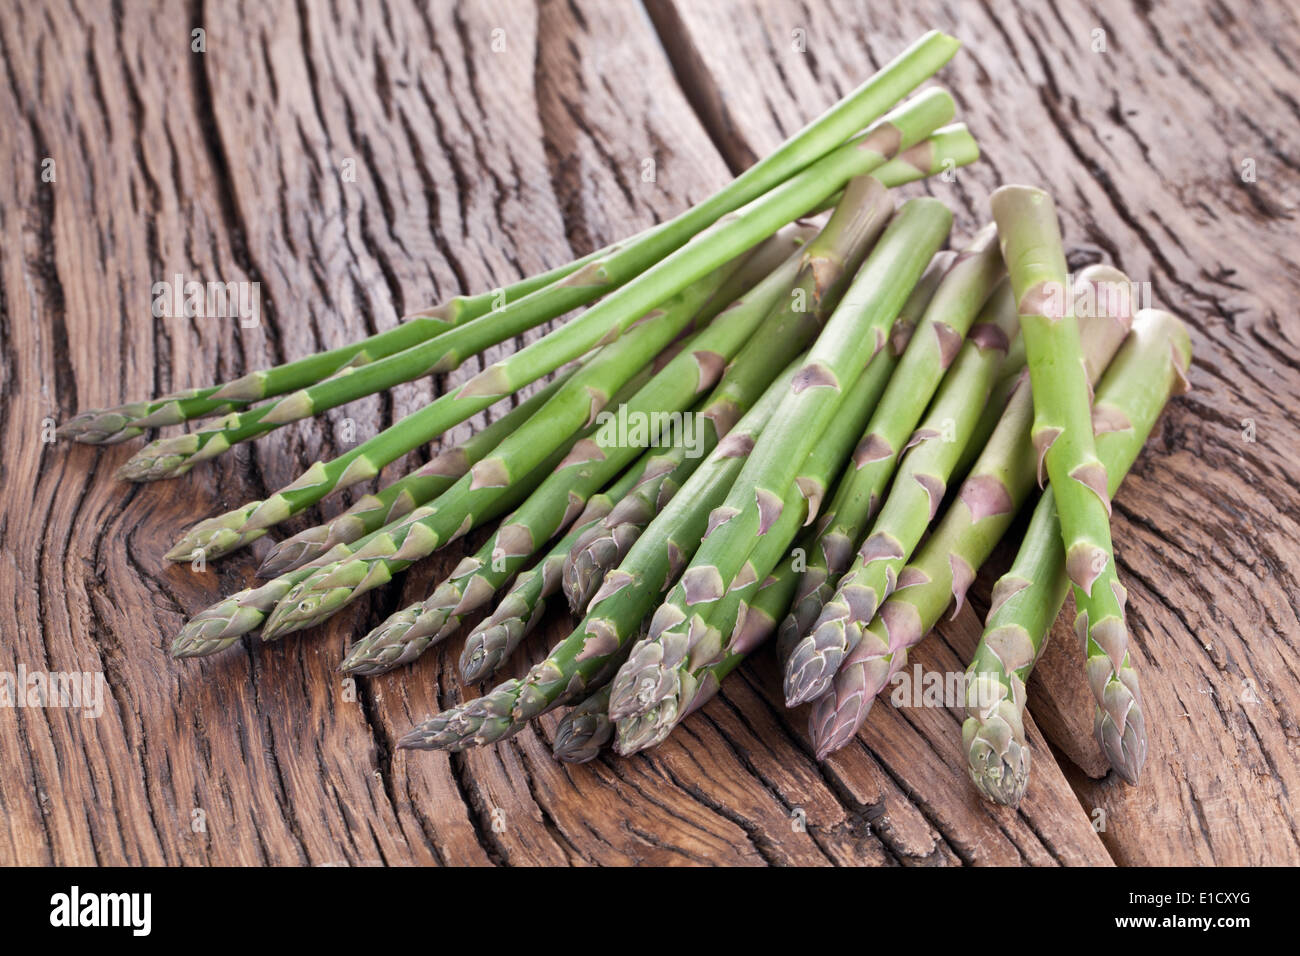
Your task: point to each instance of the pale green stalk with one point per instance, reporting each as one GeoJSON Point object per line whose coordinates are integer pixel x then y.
{"type": "Point", "coordinates": [929, 459]}
{"type": "Point", "coordinates": [932, 349]}
{"type": "Point", "coordinates": [669, 673]}
{"type": "Point", "coordinates": [1028, 598]}
{"type": "Point", "coordinates": [1031, 244]}
{"type": "Point", "coordinates": [1000, 481]}
{"type": "Point", "coordinates": [910, 124]}
{"type": "Point", "coordinates": [855, 332]}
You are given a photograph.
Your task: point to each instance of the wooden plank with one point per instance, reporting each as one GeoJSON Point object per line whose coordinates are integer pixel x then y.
{"type": "Point", "coordinates": [1143, 145]}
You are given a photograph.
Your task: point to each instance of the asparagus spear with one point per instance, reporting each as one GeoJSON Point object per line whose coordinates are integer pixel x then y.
{"type": "Point", "coordinates": [927, 465]}
{"type": "Point", "coordinates": [669, 673]}
{"type": "Point", "coordinates": [1028, 598]}
{"type": "Point", "coordinates": [402, 496]}
{"type": "Point", "coordinates": [585, 730]}
{"type": "Point", "coordinates": [603, 544]}
{"type": "Point", "coordinates": [830, 259]}
{"type": "Point", "coordinates": [498, 636]}
{"type": "Point", "coordinates": [220, 625]}
{"type": "Point", "coordinates": [112, 425]}
{"type": "Point", "coordinates": [950, 313]}
{"type": "Point", "coordinates": [907, 125]}
{"type": "Point", "coordinates": [370, 513]}
{"type": "Point", "coordinates": [1031, 245]}
{"type": "Point", "coordinates": [460, 508]}
{"type": "Point", "coordinates": [750, 616]}
{"type": "Point", "coordinates": [855, 332]}
{"type": "Point", "coordinates": [999, 482]}
{"type": "Point", "coordinates": [402, 637]}
{"type": "Point", "coordinates": [586, 659]}
{"type": "Point", "coordinates": [859, 217]}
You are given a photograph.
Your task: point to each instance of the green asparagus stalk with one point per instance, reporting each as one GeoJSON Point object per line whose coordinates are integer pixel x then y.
{"type": "Point", "coordinates": [830, 259]}
{"type": "Point", "coordinates": [368, 514]}
{"type": "Point", "coordinates": [498, 635]}
{"type": "Point", "coordinates": [459, 509]}
{"type": "Point", "coordinates": [112, 425]}
{"type": "Point", "coordinates": [586, 659]}
{"type": "Point", "coordinates": [857, 220]}
{"type": "Point", "coordinates": [753, 620]}
{"type": "Point", "coordinates": [669, 673]}
{"type": "Point", "coordinates": [1031, 244]}
{"type": "Point", "coordinates": [948, 317]}
{"type": "Point", "coordinates": [1028, 598]}
{"type": "Point", "coordinates": [402, 496]}
{"type": "Point", "coordinates": [927, 465]}
{"type": "Point", "coordinates": [224, 622]}
{"type": "Point", "coordinates": [907, 125]}
{"type": "Point", "coordinates": [998, 484]}
{"type": "Point", "coordinates": [401, 638]}
{"type": "Point", "coordinates": [585, 730]}
{"type": "Point", "coordinates": [1012, 372]}
{"type": "Point", "coordinates": [855, 332]}
{"type": "Point", "coordinates": [603, 545]}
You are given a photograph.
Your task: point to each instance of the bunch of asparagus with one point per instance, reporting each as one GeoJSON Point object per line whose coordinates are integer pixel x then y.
{"type": "Point", "coordinates": [842, 372]}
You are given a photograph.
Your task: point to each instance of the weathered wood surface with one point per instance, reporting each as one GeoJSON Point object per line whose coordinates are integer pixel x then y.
{"type": "Point", "coordinates": [473, 167]}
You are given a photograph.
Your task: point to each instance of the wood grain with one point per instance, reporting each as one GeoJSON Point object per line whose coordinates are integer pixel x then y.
{"type": "Point", "coordinates": [475, 165]}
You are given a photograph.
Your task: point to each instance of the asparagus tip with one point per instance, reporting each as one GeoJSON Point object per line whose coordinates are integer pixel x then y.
{"type": "Point", "coordinates": [998, 760]}
{"type": "Point", "coordinates": [283, 556]}
{"type": "Point", "coordinates": [396, 641]}
{"type": "Point", "coordinates": [193, 643]}
{"type": "Point", "coordinates": [581, 739]}
{"type": "Point", "coordinates": [412, 740]}
{"type": "Point", "coordinates": [814, 661]}
{"type": "Point", "coordinates": [585, 730]}
{"type": "Point", "coordinates": [1127, 749]}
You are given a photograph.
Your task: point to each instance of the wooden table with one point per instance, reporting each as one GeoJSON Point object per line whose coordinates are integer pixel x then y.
{"type": "Point", "coordinates": [361, 159]}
